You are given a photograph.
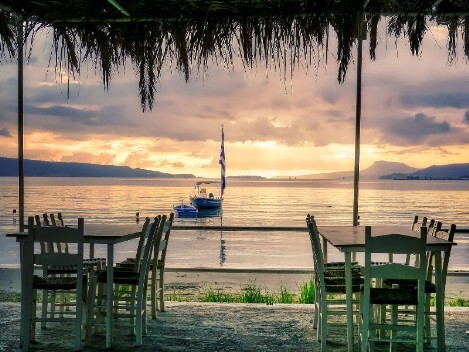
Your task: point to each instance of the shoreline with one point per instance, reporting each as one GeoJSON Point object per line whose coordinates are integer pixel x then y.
{"type": "Point", "coordinates": [191, 283]}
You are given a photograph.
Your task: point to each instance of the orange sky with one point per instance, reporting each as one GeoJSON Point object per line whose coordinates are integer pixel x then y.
{"type": "Point", "coordinates": [415, 110]}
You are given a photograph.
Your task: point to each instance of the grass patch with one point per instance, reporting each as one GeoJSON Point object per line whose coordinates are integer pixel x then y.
{"type": "Point", "coordinates": [253, 293]}
{"type": "Point", "coordinates": [307, 292]}
{"type": "Point", "coordinates": [458, 302]}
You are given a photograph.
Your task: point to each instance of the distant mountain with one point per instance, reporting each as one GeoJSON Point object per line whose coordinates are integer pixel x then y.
{"type": "Point", "coordinates": [435, 172]}
{"type": "Point", "coordinates": [376, 170]}
{"type": "Point", "coordinates": [248, 178]}
{"type": "Point", "coordinates": [36, 168]}
{"type": "Point", "coordinates": [380, 168]}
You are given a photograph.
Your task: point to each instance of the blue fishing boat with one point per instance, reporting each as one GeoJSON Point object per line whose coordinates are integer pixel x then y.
{"type": "Point", "coordinates": [208, 195]}
{"type": "Point", "coordinates": [185, 211]}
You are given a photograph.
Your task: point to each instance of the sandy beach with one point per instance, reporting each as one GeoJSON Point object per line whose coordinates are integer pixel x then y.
{"type": "Point", "coordinates": [191, 284]}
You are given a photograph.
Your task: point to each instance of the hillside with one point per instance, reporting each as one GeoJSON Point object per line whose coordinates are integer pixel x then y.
{"type": "Point", "coordinates": [373, 172]}
{"type": "Point", "coordinates": [436, 172]}
{"type": "Point", "coordinates": [36, 168]}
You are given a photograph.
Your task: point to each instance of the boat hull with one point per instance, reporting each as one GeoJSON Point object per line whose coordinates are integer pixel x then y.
{"type": "Point", "coordinates": [185, 211]}
{"type": "Point", "coordinates": [206, 203]}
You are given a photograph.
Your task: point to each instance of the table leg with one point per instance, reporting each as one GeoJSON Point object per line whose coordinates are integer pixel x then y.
{"type": "Point", "coordinates": [23, 290]}
{"type": "Point", "coordinates": [91, 250]}
{"type": "Point", "coordinates": [109, 294]}
{"type": "Point", "coordinates": [349, 300]}
{"type": "Point", "coordinates": [440, 303]}
{"type": "Point", "coordinates": [324, 249]}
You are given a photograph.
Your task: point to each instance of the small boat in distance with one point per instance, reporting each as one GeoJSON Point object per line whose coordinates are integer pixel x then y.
{"type": "Point", "coordinates": [185, 211]}
{"type": "Point", "coordinates": [207, 195]}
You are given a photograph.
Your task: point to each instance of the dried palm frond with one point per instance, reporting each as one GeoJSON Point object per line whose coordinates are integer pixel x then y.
{"type": "Point", "coordinates": [7, 34]}
{"type": "Point", "coordinates": [189, 35]}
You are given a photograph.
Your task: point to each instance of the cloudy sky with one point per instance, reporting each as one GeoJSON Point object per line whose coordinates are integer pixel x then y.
{"type": "Point", "coordinates": [415, 110]}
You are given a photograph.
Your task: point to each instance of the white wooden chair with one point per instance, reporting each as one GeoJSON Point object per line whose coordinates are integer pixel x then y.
{"type": "Point", "coordinates": [51, 304]}
{"type": "Point", "coordinates": [396, 295]}
{"type": "Point", "coordinates": [330, 282]}
{"type": "Point", "coordinates": [158, 269]}
{"type": "Point", "coordinates": [32, 283]}
{"type": "Point", "coordinates": [430, 286]}
{"type": "Point", "coordinates": [131, 303]}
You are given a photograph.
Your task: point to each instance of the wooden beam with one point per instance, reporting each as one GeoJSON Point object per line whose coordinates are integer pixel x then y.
{"type": "Point", "coordinates": [119, 7]}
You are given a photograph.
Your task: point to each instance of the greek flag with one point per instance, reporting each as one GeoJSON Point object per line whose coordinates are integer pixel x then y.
{"type": "Point", "coordinates": [222, 162]}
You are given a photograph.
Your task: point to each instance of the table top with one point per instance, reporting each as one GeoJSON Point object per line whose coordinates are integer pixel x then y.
{"type": "Point", "coordinates": [97, 234]}
{"type": "Point", "coordinates": [346, 238]}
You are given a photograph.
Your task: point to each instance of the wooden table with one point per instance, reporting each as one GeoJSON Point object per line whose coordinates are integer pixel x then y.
{"type": "Point", "coordinates": [351, 239]}
{"type": "Point", "coordinates": [110, 235]}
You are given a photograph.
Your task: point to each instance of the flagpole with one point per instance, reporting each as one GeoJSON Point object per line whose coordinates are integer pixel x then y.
{"type": "Point", "coordinates": [222, 163]}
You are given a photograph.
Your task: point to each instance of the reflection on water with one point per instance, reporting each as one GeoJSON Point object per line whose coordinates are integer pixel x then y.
{"type": "Point", "coordinates": [209, 213]}
{"type": "Point", "coordinates": [106, 202]}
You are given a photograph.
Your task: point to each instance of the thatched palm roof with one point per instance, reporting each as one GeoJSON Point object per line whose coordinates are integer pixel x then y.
{"type": "Point", "coordinates": [188, 34]}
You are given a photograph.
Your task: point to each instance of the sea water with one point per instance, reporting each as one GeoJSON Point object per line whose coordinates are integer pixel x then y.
{"type": "Point", "coordinates": [115, 201]}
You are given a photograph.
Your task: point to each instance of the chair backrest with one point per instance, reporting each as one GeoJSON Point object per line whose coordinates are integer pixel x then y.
{"type": "Point", "coordinates": [419, 222]}
{"type": "Point", "coordinates": [447, 235]}
{"type": "Point", "coordinates": [318, 259]}
{"type": "Point", "coordinates": [57, 222]}
{"type": "Point", "coordinates": [38, 222]}
{"type": "Point", "coordinates": [47, 235]}
{"type": "Point", "coordinates": [147, 249]}
{"type": "Point", "coordinates": [52, 220]}
{"type": "Point", "coordinates": [395, 244]}
{"type": "Point", "coordinates": [60, 219]}
{"type": "Point", "coordinates": [61, 247]}
{"type": "Point", "coordinates": [416, 225]}
{"type": "Point", "coordinates": [146, 228]}
{"type": "Point", "coordinates": [436, 227]}
{"type": "Point", "coordinates": [159, 239]}
{"type": "Point", "coordinates": [46, 219]}
{"type": "Point", "coordinates": [46, 247]}
{"type": "Point", "coordinates": [163, 246]}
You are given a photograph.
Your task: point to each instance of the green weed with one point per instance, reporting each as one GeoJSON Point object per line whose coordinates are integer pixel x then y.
{"type": "Point", "coordinates": [307, 292]}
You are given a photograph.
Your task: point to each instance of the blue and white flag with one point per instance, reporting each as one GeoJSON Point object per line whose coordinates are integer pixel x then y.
{"type": "Point", "coordinates": [222, 162]}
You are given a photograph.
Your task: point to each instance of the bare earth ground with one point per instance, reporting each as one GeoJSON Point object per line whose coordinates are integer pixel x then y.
{"type": "Point", "coordinates": [217, 327]}
{"type": "Point", "coordinates": [195, 326]}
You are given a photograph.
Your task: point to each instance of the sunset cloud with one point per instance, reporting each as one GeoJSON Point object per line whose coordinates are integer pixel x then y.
{"type": "Point", "coordinates": [466, 117]}
{"type": "Point", "coordinates": [438, 100]}
{"type": "Point", "coordinates": [4, 132]}
{"type": "Point", "coordinates": [417, 128]}
{"type": "Point", "coordinates": [301, 125]}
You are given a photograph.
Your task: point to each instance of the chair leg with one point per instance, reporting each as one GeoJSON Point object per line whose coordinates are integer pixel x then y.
{"type": "Point", "coordinates": [132, 310]}
{"type": "Point", "coordinates": [365, 326]}
{"type": "Point", "coordinates": [99, 301]}
{"type": "Point", "coordinates": [33, 315]}
{"type": "Point", "coordinates": [323, 324]}
{"type": "Point", "coordinates": [420, 325]}
{"type": "Point", "coordinates": [144, 311]}
{"type": "Point", "coordinates": [78, 323]}
{"type": "Point", "coordinates": [319, 310]}
{"type": "Point", "coordinates": [161, 289]}
{"type": "Point", "coordinates": [392, 345]}
{"type": "Point", "coordinates": [139, 320]}
{"type": "Point", "coordinates": [45, 304]}
{"type": "Point", "coordinates": [26, 322]}
{"type": "Point", "coordinates": [315, 318]}
{"type": "Point", "coordinates": [154, 273]}
{"type": "Point", "coordinates": [428, 330]}
{"type": "Point", "coordinates": [90, 314]}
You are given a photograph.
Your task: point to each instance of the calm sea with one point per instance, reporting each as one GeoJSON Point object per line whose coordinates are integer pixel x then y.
{"type": "Point", "coordinates": [111, 203]}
